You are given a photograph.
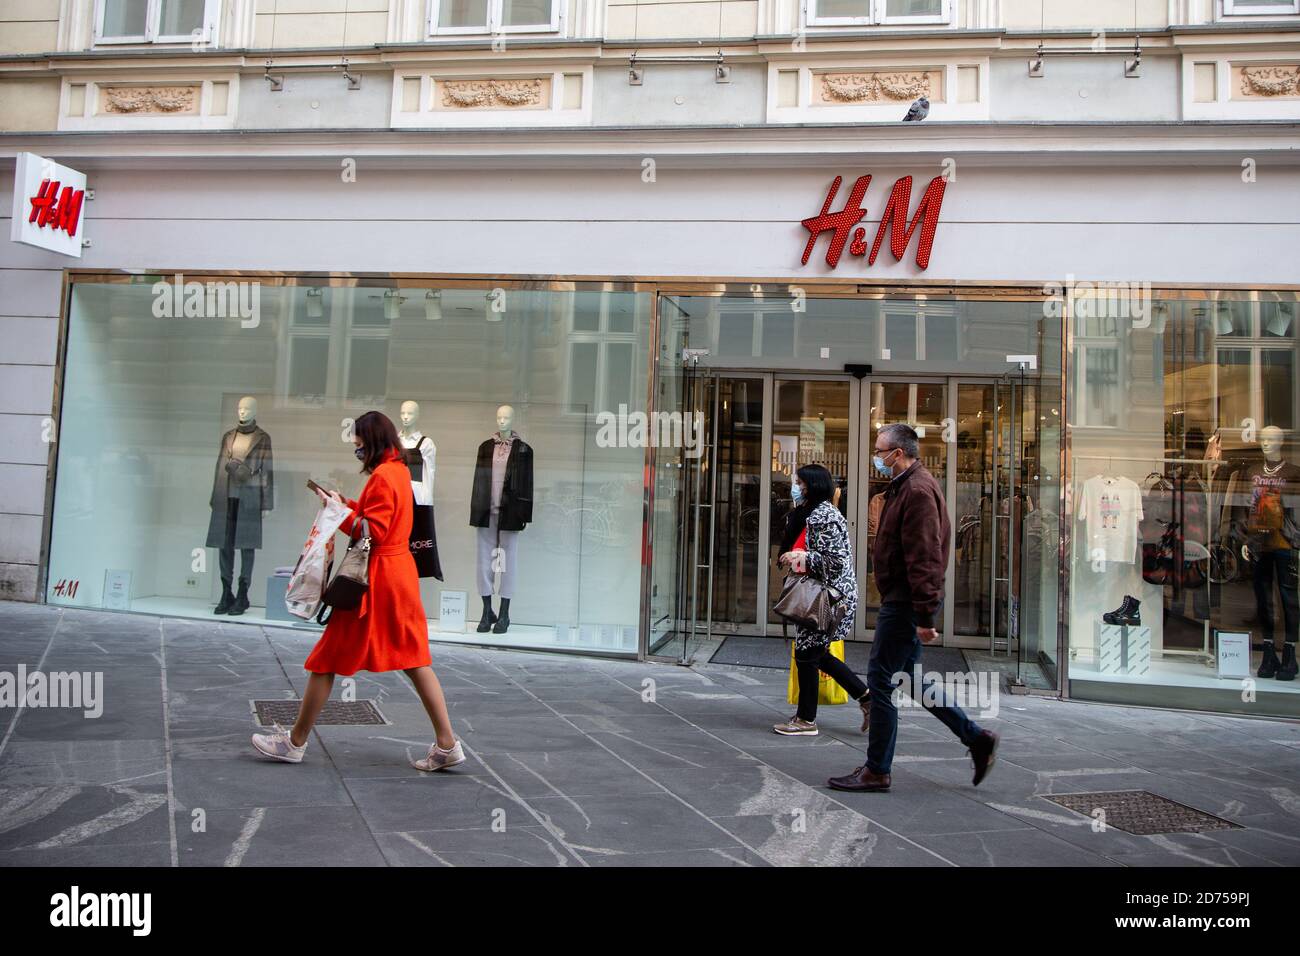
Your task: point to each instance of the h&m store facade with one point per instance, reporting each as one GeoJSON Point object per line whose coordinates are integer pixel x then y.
{"type": "Point", "coordinates": [1098, 444]}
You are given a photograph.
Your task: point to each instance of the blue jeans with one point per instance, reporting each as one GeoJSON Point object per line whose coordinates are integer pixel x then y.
{"type": "Point", "coordinates": [897, 650]}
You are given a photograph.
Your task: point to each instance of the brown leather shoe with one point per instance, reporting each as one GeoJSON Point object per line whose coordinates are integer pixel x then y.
{"type": "Point", "coordinates": [861, 780]}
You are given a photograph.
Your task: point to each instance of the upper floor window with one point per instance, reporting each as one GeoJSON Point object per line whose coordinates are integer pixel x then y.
{"type": "Point", "coordinates": [493, 16]}
{"type": "Point", "coordinates": [866, 12]}
{"type": "Point", "coordinates": [155, 21]}
{"type": "Point", "coordinates": [1242, 8]}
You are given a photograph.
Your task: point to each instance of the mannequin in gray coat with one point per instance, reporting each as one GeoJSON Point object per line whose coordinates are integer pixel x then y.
{"type": "Point", "coordinates": [242, 491]}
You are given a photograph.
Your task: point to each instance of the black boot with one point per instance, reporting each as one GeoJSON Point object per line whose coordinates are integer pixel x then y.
{"type": "Point", "coordinates": [227, 598]}
{"type": "Point", "coordinates": [488, 619]}
{"type": "Point", "coordinates": [241, 599]}
{"type": "Point", "coordinates": [1288, 669]}
{"type": "Point", "coordinates": [1269, 665]}
{"type": "Point", "coordinates": [503, 620]}
{"type": "Point", "coordinates": [1126, 614]}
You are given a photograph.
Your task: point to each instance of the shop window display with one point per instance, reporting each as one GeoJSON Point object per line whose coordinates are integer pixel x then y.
{"type": "Point", "coordinates": [142, 521]}
{"type": "Point", "coordinates": [1186, 504]}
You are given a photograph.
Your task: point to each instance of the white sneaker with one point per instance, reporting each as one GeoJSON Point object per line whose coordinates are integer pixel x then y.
{"type": "Point", "coordinates": [278, 746]}
{"type": "Point", "coordinates": [440, 759]}
{"type": "Point", "coordinates": [796, 727]}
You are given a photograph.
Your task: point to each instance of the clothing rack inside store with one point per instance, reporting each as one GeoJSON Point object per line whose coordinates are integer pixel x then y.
{"type": "Point", "coordinates": [1151, 460]}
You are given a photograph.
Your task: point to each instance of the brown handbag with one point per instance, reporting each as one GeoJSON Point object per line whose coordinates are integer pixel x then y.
{"type": "Point", "coordinates": [352, 579]}
{"type": "Point", "coordinates": [807, 602]}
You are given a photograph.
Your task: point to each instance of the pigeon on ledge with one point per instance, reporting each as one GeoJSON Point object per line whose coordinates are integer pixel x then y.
{"type": "Point", "coordinates": [919, 111]}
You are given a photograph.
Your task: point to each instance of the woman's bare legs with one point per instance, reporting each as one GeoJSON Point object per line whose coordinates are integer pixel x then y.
{"type": "Point", "coordinates": [318, 692]}
{"type": "Point", "coordinates": [435, 704]}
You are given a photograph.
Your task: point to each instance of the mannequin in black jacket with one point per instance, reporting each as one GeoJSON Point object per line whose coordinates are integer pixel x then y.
{"type": "Point", "coordinates": [501, 505]}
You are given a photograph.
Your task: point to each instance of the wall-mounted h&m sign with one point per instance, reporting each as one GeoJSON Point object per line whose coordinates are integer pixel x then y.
{"type": "Point", "coordinates": [48, 200]}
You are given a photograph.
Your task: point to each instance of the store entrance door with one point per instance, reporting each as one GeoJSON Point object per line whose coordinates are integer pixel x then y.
{"type": "Point", "coordinates": [760, 427]}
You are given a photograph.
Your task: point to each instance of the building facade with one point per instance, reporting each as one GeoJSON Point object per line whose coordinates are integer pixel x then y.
{"type": "Point", "coordinates": [692, 246]}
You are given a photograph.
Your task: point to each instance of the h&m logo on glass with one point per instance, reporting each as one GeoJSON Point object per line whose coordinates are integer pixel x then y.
{"type": "Point", "coordinates": [844, 229]}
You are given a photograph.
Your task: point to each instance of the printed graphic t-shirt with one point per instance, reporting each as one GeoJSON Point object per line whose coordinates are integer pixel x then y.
{"type": "Point", "coordinates": [1269, 494]}
{"type": "Point", "coordinates": [1111, 509]}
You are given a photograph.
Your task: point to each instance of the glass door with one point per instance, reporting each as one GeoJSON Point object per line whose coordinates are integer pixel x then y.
{"type": "Point", "coordinates": [812, 422]}
{"type": "Point", "coordinates": [734, 569]}
{"type": "Point", "coordinates": [924, 406]}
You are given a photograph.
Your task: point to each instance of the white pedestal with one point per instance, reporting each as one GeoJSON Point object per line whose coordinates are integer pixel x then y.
{"type": "Point", "coordinates": [1123, 650]}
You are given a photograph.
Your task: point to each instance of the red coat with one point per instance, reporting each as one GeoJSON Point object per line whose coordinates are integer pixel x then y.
{"type": "Point", "coordinates": [388, 632]}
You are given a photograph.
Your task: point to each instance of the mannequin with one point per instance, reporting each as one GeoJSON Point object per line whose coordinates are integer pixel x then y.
{"type": "Point", "coordinates": [501, 505]}
{"type": "Point", "coordinates": [420, 455]}
{"type": "Point", "coordinates": [242, 493]}
{"type": "Point", "coordinates": [1270, 524]}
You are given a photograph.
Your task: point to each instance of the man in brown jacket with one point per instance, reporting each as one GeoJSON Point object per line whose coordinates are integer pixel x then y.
{"type": "Point", "coordinates": [909, 558]}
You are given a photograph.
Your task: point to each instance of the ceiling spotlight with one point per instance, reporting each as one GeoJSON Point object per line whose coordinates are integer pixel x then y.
{"type": "Point", "coordinates": [433, 305]}
{"type": "Point", "coordinates": [1160, 312]}
{"type": "Point", "coordinates": [315, 303]}
{"type": "Point", "coordinates": [1223, 319]}
{"type": "Point", "coordinates": [392, 305]}
{"type": "Point", "coordinates": [1280, 323]}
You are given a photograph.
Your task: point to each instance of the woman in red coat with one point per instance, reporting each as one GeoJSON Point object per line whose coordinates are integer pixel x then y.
{"type": "Point", "coordinates": [388, 632]}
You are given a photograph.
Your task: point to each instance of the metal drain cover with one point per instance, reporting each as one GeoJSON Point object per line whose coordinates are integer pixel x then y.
{"type": "Point", "coordinates": [1142, 812]}
{"type": "Point", "coordinates": [336, 712]}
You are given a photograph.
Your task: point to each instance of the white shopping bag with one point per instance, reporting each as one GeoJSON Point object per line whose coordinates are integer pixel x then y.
{"type": "Point", "coordinates": [302, 599]}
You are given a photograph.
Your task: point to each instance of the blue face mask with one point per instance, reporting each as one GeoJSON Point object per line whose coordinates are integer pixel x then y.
{"type": "Point", "coordinates": [360, 453]}
{"type": "Point", "coordinates": [796, 494]}
{"type": "Point", "coordinates": [880, 465]}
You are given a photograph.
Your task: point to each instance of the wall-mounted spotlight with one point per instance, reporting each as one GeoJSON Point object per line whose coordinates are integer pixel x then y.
{"type": "Point", "coordinates": [433, 305]}
{"type": "Point", "coordinates": [315, 303]}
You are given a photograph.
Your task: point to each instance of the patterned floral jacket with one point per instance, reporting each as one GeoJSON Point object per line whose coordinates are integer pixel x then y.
{"type": "Point", "coordinates": [830, 560]}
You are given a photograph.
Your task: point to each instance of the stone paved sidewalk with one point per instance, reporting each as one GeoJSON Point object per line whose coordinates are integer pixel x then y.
{"type": "Point", "coordinates": [580, 770]}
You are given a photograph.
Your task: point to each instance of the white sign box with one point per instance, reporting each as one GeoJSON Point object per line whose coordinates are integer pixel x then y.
{"type": "Point", "coordinates": [49, 205]}
{"type": "Point", "coordinates": [451, 611]}
{"type": "Point", "coordinates": [117, 590]}
{"type": "Point", "coordinates": [1234, 653]}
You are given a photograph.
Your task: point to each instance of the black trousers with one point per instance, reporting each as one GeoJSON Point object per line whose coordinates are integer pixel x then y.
{"type": "Point", "coordinates": [226, 553]}
{"type": "Point", "coordinates": [808, 663]}
{"type": "Point", "coordinates": [1280, 565]}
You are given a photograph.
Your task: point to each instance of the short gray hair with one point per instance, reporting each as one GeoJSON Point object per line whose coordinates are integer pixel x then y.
{"type": "Point", "coordinates": [903, 437]}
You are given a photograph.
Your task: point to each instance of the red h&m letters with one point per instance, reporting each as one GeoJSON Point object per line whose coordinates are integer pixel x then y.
{"type": "Point", "coordinates": [49, 208]}
{"type": "Point", "coordinates": [841, 224]}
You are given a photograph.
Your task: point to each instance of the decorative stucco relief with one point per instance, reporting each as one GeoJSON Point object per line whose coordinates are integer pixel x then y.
{"type": "Point", "coordinates": [143, 100]}
{"type": "Point", "coordinates": [865, 86]}
{"type": "Point", "coordinates": [529, 93]}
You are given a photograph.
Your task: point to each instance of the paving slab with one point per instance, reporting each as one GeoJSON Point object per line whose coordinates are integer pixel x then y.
{"type": "Point", "coordinates": [580, 762]}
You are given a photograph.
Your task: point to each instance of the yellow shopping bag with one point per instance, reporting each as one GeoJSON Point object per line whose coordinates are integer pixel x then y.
{"type": "Point", "coordinates": [828, 692]}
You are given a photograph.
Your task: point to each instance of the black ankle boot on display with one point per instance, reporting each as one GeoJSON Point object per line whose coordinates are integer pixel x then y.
{"type": "Point", "coordinates": [488, 619]}
{"type": "Point", "coordinates": [241, 599]}
{"type": "Point", "coordinates": [1287, 670]}
{"type": "Point", "coordinates": [1269, 665]}
{"type": "Point", "coordinates": [1126, 614]}
{"type": "Point", "coordinates": [503, 619]}
{"type": "Point", "coordinates": [227, 598]}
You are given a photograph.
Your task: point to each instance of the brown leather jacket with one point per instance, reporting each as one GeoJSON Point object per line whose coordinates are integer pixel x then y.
{"type": "Point", "coordinates": [910, 554]}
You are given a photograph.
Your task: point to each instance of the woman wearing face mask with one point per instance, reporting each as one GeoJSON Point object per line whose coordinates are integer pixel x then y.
{"type": "Point", "coordinates": [388, 632]}
{"type": "Point", "coordinates": [822, 550]}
